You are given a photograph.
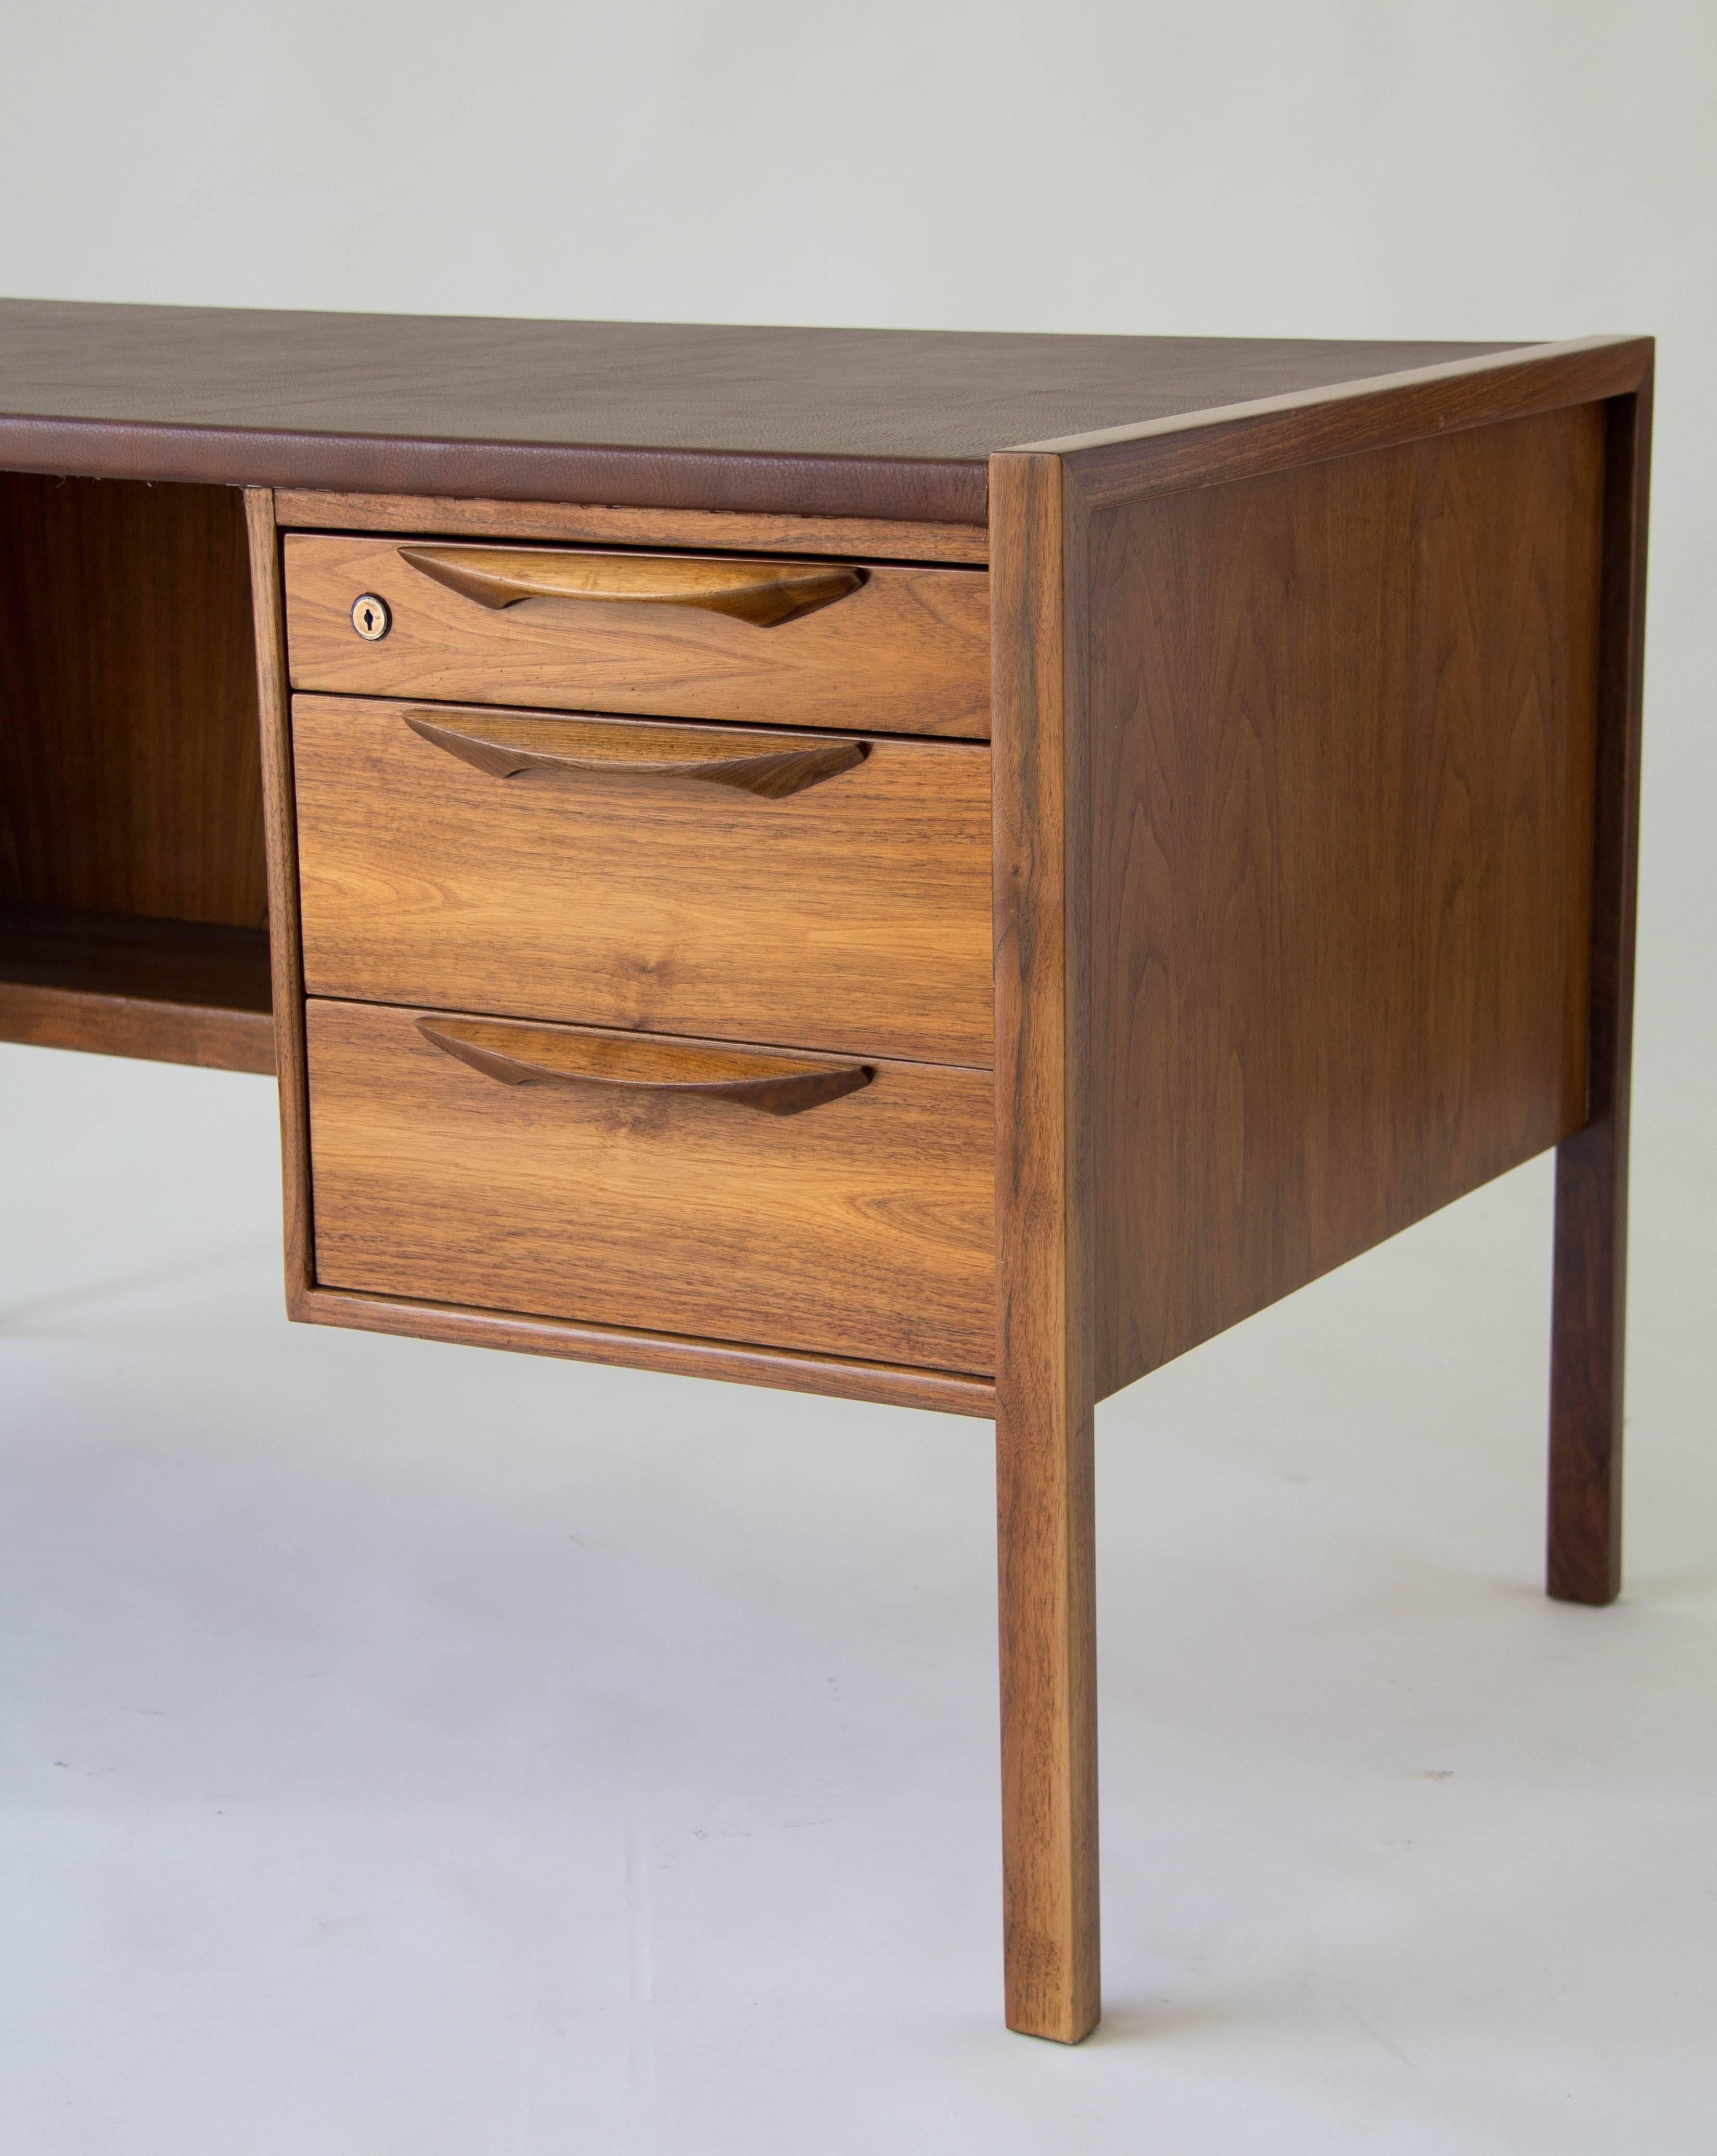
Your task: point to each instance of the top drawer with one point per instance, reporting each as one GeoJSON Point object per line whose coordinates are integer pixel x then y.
{"type": "Point", "coordinates": [883, 648]}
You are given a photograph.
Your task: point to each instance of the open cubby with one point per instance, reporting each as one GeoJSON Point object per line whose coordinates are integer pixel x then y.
{"type": "Point", "coordinates": [133, 894]}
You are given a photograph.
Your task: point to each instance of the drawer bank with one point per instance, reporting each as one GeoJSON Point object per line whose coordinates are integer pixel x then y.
{"type": "Point", "coordinates": [946, 870]}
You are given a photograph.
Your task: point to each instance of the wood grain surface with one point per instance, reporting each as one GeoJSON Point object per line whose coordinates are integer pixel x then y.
{"type": "Point", "coordinates": [128, 750]}
{"type": "Point", "coordinates": [576, 752]}
{"type": "Point", "coordinates": [853, 915]}
{"type": "Point", "coordinates": [121, 984]}
{"type": "Point", "coordinates": [863, 539]}
{"type": "Point", "coordinates": [1309, 425]}
{"type": "Point", "coordinates": [1590, 1297]}
{"type": "Point", "coordinates": [1045, 1489]}
{"type": "Point", "coordinates": [1342, 728]}
{"type": "Point", "coordinates": [891, 1384]}
{"type": "Point", "coordinates": [864, 1229]}
{"type": "Point", "coordinates": [907, 653]}
{"type": "Point", "coordinates": [285, 935]}
{"type": "Point", "coordinates": [764, 593]}
{"type": "Point", "coordinates": [642, 1067]}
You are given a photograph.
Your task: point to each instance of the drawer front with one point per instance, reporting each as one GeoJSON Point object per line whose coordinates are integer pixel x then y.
{"type": "Point", "coordinates": [877, 650]}
{"type": "Point", "coordinates": [795, 887]}
{"type": "Point", "coordinates": [492, 1170]}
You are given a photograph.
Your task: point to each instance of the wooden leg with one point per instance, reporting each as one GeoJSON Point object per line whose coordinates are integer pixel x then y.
{"type": "Point", "coordinates": [1590, 1309]}
{"type": "Point", "coordinates": [1588, 1324]}
{"type": "Point", "coordinates": [1045, 1532]}
{"type": "Point", "coordinates": [1046, 1334]}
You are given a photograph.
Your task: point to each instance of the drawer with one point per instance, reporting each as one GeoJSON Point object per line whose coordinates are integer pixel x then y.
{"type": "Point", "coordinates": [800, 887]}
{"type": "Point", "coordinates": [878, 649]}
{"type": "Point", "coordinates": [668, 1185]}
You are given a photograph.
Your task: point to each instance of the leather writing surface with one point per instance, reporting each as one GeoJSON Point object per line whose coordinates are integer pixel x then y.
{"type": "Point", "coordinates": [839, 421]}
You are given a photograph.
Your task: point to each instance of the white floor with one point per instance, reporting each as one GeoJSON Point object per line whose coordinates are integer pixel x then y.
{"type": "Point", "coordinates": [411, 1750]}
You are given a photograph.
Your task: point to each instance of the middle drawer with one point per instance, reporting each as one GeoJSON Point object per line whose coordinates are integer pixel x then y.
{"type": "Point", "coordinates": [824, 891]}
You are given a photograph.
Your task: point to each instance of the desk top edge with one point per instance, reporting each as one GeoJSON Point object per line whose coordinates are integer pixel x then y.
{"type": "Point", "coordinates": [879, 423]}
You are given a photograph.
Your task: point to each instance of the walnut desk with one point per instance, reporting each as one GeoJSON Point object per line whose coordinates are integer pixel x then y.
{"type": "Point", "coordinates": [945, 869]}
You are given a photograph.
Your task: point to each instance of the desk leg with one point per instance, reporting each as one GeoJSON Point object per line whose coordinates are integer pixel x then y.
{"type": "Point", "coordinates": [1591, 1294]}
{"type": "Point", "coordinates": [1045, 1534]}
{"type": "Point", "coordinates": [1045, 1388]}
{"type": "Point", "coordinates": [1588, 1324]}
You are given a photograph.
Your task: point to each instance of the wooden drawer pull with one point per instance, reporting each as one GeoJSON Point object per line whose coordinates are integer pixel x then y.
{"type": "Point", "coordinates": [532, 1055]}
{"type": "Point", "coordinates": [571, 749]}
{"type": "Point", "coordinates": [761, 592]}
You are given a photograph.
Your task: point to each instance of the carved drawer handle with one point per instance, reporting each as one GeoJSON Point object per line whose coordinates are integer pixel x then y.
{"type": "Point", "coordinates": [531, 1056]}
{"type": "Point", "coordinates": [771, 765]}
{"type": "Point", "coordinates": [761, 592]}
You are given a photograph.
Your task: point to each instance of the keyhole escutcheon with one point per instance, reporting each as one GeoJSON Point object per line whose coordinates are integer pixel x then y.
{"type": "Point", "coordinates": [370, 617]}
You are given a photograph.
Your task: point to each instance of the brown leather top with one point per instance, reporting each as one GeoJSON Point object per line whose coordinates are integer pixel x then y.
{"type": "Point", "coordinates": [854, 423]}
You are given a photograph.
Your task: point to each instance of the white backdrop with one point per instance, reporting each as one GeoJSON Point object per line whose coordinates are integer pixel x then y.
{"type": "Point", "coordinates": [339, 1813]}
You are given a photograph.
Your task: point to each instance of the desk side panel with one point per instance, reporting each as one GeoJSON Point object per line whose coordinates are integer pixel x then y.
{"type": "Point", "coordinates": [1342, 723]}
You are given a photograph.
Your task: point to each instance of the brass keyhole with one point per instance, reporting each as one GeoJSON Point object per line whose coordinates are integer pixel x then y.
{"type": "Point", "coordinates": [370, 617]}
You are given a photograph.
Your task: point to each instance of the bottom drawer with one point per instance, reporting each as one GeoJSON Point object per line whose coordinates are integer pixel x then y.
{"type": "Point", "coordinates": [751, 1195]}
